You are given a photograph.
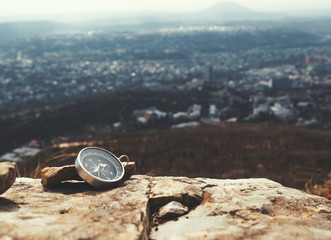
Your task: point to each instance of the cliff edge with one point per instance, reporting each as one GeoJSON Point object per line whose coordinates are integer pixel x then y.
{"type": "Point", "coordinates": [146, 207]}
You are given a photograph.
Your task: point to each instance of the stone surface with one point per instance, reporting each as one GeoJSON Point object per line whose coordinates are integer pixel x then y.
{"type": "Point", "coordinates": [53, 176]}
{"type": "Point", "coordinates": [7, 175]}
{"type": "Point", "coordinates": [172, 209]}
{"type": "Point", "coordinates": [217, 209]}
{"type": "Point", "coordinates": [74, 210]}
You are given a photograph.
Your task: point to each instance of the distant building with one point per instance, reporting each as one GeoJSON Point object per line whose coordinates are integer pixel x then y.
{"type": "Point", "coordinates": [212, 111]}
{"type": "Point", "coordinates": [211, 73]}
{"type": "Point", "coordinates": [26, 151]}
{"type": "Point", "coordinates": [149, 113]}
{"type": "Point", "coordinates": [195, 111]}
{"type": "Point", "coordinates": [10, 157]}
{"type": "Point", "coordinates": [142, 120]}
{"type": "Point", "coordinates": [261, 108]}
{"type": "Point", "coordinates": [232, 120]}
{"type": "Point", "coordinates": [280, 84]}
{"type": "Point", "coordinates": [180, 115]}
{"type": "Point", "coordinates": [282, 111]}
{"type": "Point", "coordinates": [192, 113]}
{"type": "Point", "coordinates": [117, 125]}
{"type": "Point", "coordinates": [19, 154]}
{"type": "Point", "coordinates": [185, 125]}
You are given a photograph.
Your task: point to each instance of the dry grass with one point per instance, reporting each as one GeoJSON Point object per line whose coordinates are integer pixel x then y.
{"type": "Point", "coordinates": [320, 185]}
{"type": "Point", "coordinates": [294, 157]}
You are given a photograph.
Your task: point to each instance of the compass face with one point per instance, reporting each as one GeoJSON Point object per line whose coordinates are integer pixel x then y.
{"type": "Point", "coordinates": [101, 164]}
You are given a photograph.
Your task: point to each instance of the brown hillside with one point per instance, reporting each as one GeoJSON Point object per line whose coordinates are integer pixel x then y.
{"type": "Point", "coordinates": [291, 156]}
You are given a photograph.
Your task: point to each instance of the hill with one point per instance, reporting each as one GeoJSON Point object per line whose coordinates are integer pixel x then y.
{"type": "Point", "coordinates": [230, 11]}
{"type": "Point", "coordinates": [294, 157]}
{"type": "Point", "coordinates": [226, 8]}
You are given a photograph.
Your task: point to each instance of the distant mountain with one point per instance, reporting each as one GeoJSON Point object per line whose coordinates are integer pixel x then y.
{"type": "Point", "coordinates": [229, 11]}
{"type": "Point", "coordinates": [226, 7]}
{"type": "Point", "coordinates": [218, 13]}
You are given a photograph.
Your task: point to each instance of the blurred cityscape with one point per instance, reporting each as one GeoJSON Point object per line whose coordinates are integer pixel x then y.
{"type": "Point", "coordinates": [251, 74]}
{"type": "Point", "coordinates": [176, 75]}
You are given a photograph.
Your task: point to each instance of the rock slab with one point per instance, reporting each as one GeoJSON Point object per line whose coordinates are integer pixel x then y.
{"type": "Point", "coordinates": [7, 175]}
{"type": "Point", "coordinates": [54, 176]}
{"type": "Point", "coordinates": [211, 209]}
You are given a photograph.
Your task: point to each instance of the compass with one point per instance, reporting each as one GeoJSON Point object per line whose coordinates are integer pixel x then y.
{"type": "Point", "coordinates": [99, 167]}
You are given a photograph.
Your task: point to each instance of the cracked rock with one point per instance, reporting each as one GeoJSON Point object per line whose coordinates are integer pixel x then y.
{"type": "Point", "coordinates": [217, 209]}
{"type": "Point", "coordinates": [7, 175]}
{"type": "Point", "coordinates": [251, 209]}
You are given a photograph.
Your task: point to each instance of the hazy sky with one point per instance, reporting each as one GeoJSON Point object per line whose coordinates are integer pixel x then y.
{"type": "Point", "coordinates": [14, 8]}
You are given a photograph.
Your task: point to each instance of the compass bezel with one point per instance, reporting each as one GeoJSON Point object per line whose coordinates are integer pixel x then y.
{"type": "Point", "coordinates": [93, 180]}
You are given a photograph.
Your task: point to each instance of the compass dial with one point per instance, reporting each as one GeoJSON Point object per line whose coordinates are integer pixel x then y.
{"type": "Point", "coordinates": [97, 166]}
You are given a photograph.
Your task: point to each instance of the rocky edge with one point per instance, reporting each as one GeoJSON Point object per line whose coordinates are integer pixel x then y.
{"type": "Point", "coordinates": [146, 207]}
